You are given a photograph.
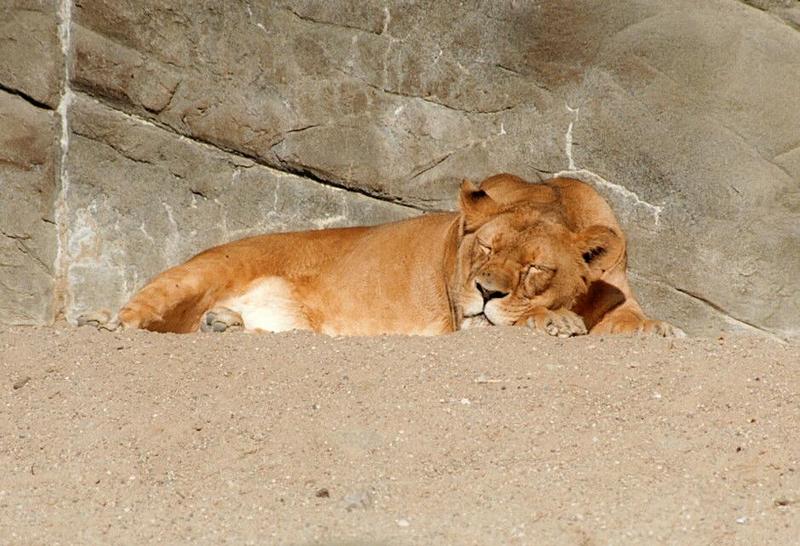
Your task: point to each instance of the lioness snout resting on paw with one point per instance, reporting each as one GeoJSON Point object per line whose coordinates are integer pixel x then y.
{"type": "Point", "coordinates": [550, 256]}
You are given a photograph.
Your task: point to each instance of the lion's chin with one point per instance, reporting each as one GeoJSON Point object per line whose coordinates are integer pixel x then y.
{"type": "Point", "coordinates": [495, 316]}
{"type": "Point", "coordinates": [475, 321]}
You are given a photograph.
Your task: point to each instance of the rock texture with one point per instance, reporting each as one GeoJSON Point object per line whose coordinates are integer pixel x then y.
{"type": "Point", "coordinates": [196, 122]}
{"type": "Point", "coordinates": [31, 63]}
{"type": "Point", "coordinates": [142, 199]}
{"type": "Point", "coordinates": [28, 165]}
{"type": "Point", "coordinates": [31, 82]}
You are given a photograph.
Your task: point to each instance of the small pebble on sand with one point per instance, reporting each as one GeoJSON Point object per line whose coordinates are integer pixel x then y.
{"type": "Point", "coordinates": [21, 382]}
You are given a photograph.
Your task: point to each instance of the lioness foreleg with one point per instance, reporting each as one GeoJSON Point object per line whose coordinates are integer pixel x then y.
{"type": "Point", "coordinates": [175, 300]}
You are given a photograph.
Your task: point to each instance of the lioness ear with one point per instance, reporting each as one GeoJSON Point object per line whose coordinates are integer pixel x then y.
{"type": "Point", "coordinates": [601, 248]}
{"type": "Point", "coordinates": [476, 206]}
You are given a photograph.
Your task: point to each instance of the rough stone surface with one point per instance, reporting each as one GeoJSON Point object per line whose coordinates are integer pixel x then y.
{"type": "Point", "coordinates": [31, 69]}
{"type": "Point", "coordinates": [700, 139]}
{"type": "Point", "coordinates": [30, 50]}
{"type": "Point", "coordinates": [786, 10]}
{"type": "Point", "coordinates": [684, 114]}
{"type": "Point", "coordinates": [28, 159]}
{"type": "Point", "coordinates": [400, 112]}
{"type": "Point", "coordinates": [142, 199]}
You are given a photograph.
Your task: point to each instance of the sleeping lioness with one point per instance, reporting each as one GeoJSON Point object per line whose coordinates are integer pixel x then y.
{"type": "Point", "coordinates": [549, 256]}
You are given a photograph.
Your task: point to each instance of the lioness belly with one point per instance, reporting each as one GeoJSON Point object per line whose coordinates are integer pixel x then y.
{"type": "Point", "coordinates": [272, 304]}
{"type": "Point", "coordinates": [268, 305]}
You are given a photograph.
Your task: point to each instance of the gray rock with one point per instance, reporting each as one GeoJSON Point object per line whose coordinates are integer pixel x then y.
{"type": "Point", "coordinates": [31, 62]}
{"type": "Point", "coordinates": [713, 151]}
{"type": "Point", "coordinates": [393, 111]}
{"type": "Point", "coordinates": [28, 159]}
{"type": "Point", "coordinates": [142, 199]}
{"type": "Point", "coordinates": [786, 10]}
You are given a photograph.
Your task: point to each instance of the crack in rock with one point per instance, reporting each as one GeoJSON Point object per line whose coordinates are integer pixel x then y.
{"type": "Point", "coordinates": [282, 136]}
{"type": "Point", "coordinates": [14, 236]}
{"type": "Point", "coordinates": [716, 308]}
{"type": "Point", "coordinates": [19, 241]}
{"type": "Point", "coordinates": [387, 18]}
{"type": "Point", "coordinates": [725, 314]}
{"type": "Point", "coordinates": [591, 177]}
{"type": "Point", "coordinates": [252, 19]}
{"type": "Point", "coordinates": [339, 25]}
{"type": "Point", "coordinates": [769, 13]}
{"type": "Point", "coordinates": [325, 179]}
{"type": "Point", "coordinates": [430, 165]}
{"type": "Point", "coordinates": [117, 149]}
{"type": "Point", "coordinates": [26, 250]}
{"type": "Point", "coordinates": [428, 99]}
{"type": "Point", "coordinates": [787, 151]}
{"type": "Point", "coordinates": [61, 293]}
{"type": "Point", "coordinates": [595, 179]}
{"type": "Point", "coordinates": [277, 165]}
{"type": "Point", "coordinates": [568, 138]}
{"type": "Point", "coordinates": [24, 96]}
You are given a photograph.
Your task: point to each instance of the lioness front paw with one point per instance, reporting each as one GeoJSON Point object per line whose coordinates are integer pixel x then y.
{"type": "Point", "coordinates": [558, 322]}
{"type": "Point", "coordinates": [101, 320]}
{"type": "Point", "coordinates": [221, 319]}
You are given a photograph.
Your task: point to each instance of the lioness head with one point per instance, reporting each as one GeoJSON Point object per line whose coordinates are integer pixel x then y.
{"type": "Point", "coordinates": [515, 258]}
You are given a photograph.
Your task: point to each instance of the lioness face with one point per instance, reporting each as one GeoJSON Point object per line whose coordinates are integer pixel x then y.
{"type": "Point", "coordinates": [514, 269]}
{"type": "Point", "coordinates": [514, 260]}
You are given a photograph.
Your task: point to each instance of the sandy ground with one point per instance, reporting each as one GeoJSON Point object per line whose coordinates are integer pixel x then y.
{"type": "Point", "coordinates": [494, 436]}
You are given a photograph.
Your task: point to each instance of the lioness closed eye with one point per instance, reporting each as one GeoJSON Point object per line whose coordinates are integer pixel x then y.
{"type": "Point", "coordinates": [550, 256]}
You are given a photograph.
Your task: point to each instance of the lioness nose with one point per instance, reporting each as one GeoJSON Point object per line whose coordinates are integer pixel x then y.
{"type": "Point", "coordinates": [489, 294]}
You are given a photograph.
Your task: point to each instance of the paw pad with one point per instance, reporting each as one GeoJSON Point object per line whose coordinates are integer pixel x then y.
{"type": "Point", "coordinates": [221, 320]}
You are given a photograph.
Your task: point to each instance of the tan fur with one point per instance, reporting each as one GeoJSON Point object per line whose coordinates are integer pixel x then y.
{"type": "Point", "coordinates": [533, 251]}
{"type": "Point", "coordinates": [608, 305]}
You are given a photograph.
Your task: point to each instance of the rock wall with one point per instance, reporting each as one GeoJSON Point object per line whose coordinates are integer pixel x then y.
{"type": "Point", "coordinates": [173, 126]}
{"type": "Point", "coordinates": [31, 76]}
